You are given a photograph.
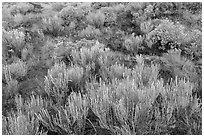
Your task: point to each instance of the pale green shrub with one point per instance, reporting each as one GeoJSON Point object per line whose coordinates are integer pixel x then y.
{"type": "Point", "coordinates": [61, 81]}
{"type": "Point", "coordinates": [21, 8]}
{"type": "Point", "coordinates": [127, 101]}
{"type": "Point", "coordinates": [144, 75]}
{"type": "Point", "coordinates": [180, 93]}
{"type": "Point", "coordinates": [91, 54]}
{"type": "Point", "coordinates": [77, 107]}
{"type": "Point", "coordinates": [57, 75]}
{"type": "Point", "coordinates": [135, 106]}
{"type": "Point", "coordinates": [146, 27]}
{"type": "Point", "coordinates": [133, 43]}
{"type": "Point", "coordinates": [74, 19]}
{"type": "Point", "coordinates": [110, 16]}
{"type": "Point", "coordinates": [90, 32]}
{"type": "Point", "coordinates": [52, 26]}
{"type": "Point", "coordinates": [58, 6]}
{"type": "Point", "coordinates": [96, 19]}
{"type": "Point", "coordinates": [11, 87]}
{"type": "Point", "coordinates": [7, 18]}
{"type": "Point", "coordinates": [15, 39]}
{"type": "Point", "coordinates": [19, 124]}
{"type": "Point", "coordinates": [47, 53]}
{"type": "Point", "coordinates": [100, 101]}
{"type": "Point", "coordinates": [71, 117]}
{"type": "Point", "coordinates": [119, 71]}
{"type": "Point", "coordinates": [180, 66]}
{"type": "Point", "coordinates": [168, 31]}
{"type": "Point", "coordinates": [11, 73]}
{"type": "Point", "coordinates": [16, 69]}
{"type": "Point", "coordinates": [32, 105]}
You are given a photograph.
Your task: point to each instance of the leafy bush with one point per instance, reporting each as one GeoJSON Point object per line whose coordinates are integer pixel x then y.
{"type": "Point", "coordinates": [61, 81]}
{"type": "Point", "coordinates": [171, 36]}
{"type": "Point", "coordinates": [47, 51]}
{"type": "Point", "coordinates": [96, 19]}
{"type": "Point", "coordinates": [19, 124]}
{"type": "Point", "coordinates": [90, 33]}
{"type": "Point", "coordinates": [13, 42]}
{"type": "Point", "coordinates": [7, 19]}
{"type": "Point", "coordinates": [58, 6]}
{"type": "Point", "coordinates": [74, 19]}
{"type": "Point", "coordinates": [10, 89]}
{"type": "Point", "coordinates": [144, 75]}
{"type": "Point", "coordinates": [110, 16]}
{"type": "Point", "coordinates": [102, 68]}
{"type": "Point", "coordinates": [25, 8]}
{"type": "Point", "coordinates": [179, 66]}
{"type": "Point", "coordinates": [118, 71]}
{"type": "Point", "coordinates": [33, 86]}
{"type": "Point", "coordinates": [146, 27]}
{"type": "Point", "coordinates": [52, 26]}
{"type": "Point", "coordinates": [10, 75]}
{"type": "Point", "coordinates": [15, 70]}
{"type": "Point", "coordinates": [133, 107]}
{"type": "Point", "coordinates": [133, 43]}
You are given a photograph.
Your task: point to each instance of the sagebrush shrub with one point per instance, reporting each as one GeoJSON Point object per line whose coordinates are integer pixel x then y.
{"type": "Point", "coordinates": [90, 33]}
{"type": "Point", "coordinates": [13, 40]}
{"type": "Point", "coordinates": [61, 81]}
{"type": "Point", "coordinates": [52, 26]}
{"type": "Point", "coordinates": [179, 66]}
{"type": "Point", "coordinates": [58, 6]}
{"type": "Point", "coordinates": [19, 124]}
{"type": "Point", "coordinates": [96, 19]}
{"type": "Point", "coordinates": [133, 43]}
{"type": "Point", "coordinates": [119, 71]}
{"type": "Point", "coordinates": [17, 69]}
{"type": "Point", "coordinates": [169, 32]}
{"type": "Point", "coordinates": [102, 68]}
{"type": "Point", "coordinates": [143, 74]}
{"type": "Point", "coordinates": [10, 75]}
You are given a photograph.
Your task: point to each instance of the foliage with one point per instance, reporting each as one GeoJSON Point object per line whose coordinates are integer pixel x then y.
{"type": "Point", "coordinates": [15, 70]}
{"type": "Point", "coordinates": [90, 33]}
{"type": "Point", "coordinates": [61, 81]}
{"type": "Point", "coordinates": [180, 66]}
{"type": "Point", "coordinates": [58, 6]}
{"type": "Point", "coordinates": [13, 42]}
{"type": "Point", "coordinates": [96, 19]}
{"type": "Point", "coordinates": [74, 19]}
{"type": "Point", "coordinates": [83, 68]}
{"type": "Point", "coordinates": [168, 35]}
{"type": "Point", "coordinates": [52, 26]}
{"type": "Point", "coordinates": [133, 43]}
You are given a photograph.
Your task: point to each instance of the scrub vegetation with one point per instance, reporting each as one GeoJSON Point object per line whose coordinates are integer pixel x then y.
{"type": "Point", "coordinates": [112, 68]}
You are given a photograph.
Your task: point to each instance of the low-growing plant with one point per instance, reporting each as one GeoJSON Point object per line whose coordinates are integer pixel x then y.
{"type": "Point", "coordinates": [15, 70]}
{"type": "Point", "coordinates": [179, 66]}
{"type": "Point", "coordinates": [58, 6]}
{"type": "Point", "coordinates": [133, 43]}
{"type": "Point", "coordinates": [52, 26]}
{"type": "Point", "coordinates": [96, 19]}
{"type": "Point", "coordinates": [10, 75]}
{"type": "Point", "coordinates": [90, 33]}
{"type": "Point", "coordinates": [102, 68]}
{"type": "Point", "coordinates": [143, 74]}
{"type": "Point", "coordinates": [19, 124]}
{"type": "Point", "coordinates": [61, 81]}
{"type": "Point", "coordinates": [13, 42]}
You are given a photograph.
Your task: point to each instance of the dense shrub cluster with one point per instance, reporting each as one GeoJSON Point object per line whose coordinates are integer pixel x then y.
{"type": "Point", "coordinates": [102, 68]}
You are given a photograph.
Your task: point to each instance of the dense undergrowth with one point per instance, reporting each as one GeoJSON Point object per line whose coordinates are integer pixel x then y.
{"type": "Point", "coordinates": [102, 68]}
